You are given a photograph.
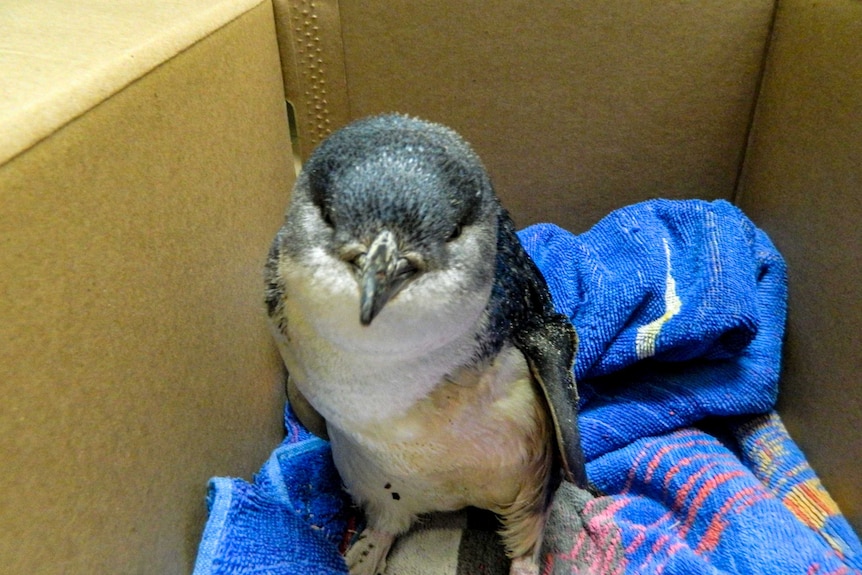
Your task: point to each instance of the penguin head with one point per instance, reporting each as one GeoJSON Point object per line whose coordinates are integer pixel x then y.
{"type": "Point", "coordinates": [402, 206]}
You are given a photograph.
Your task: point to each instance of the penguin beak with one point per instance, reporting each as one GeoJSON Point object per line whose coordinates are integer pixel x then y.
{"type": "Point", "coordinates": [382, 274]}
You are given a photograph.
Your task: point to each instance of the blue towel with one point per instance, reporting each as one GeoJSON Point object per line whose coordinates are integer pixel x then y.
{"type": "Point", "coordinates": [291, 519]}
{"type": "Point", "coordinates": [680, 309]}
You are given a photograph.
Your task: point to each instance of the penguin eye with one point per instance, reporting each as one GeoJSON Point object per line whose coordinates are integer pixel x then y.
{"type": "Point", "coordinates": [455, 233]}
{"type": "Point", "coordinates": [354, 255]}
{"type": "Point", "coordinates": [358, 262]}
{"type": "Point", "coordinates": [405, 269]}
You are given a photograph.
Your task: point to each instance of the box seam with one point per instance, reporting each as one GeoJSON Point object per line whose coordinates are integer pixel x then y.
{"type": "Point", "coordinates": [736, 193]}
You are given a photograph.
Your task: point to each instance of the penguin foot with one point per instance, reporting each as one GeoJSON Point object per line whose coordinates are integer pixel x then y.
{"type": "Point", "coordinates": [367, 555]}
{"type": "Point", "coordinates": [524, 566]}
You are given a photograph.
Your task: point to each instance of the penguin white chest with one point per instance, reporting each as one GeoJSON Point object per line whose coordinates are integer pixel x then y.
{"type": "Point", "coordinates": [353, 373]}
{"type": "Point", "coordinates": [475, 440]}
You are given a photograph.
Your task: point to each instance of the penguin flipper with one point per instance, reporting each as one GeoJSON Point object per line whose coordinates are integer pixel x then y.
{"type": "Point", "coordinates": [549, 348]}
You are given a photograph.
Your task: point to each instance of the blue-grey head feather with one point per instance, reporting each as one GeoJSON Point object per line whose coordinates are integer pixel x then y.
{"type": "Point", "coordinates": [416, 178]}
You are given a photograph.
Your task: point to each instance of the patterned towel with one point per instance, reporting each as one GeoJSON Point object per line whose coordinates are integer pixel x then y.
{"type": "Point", "coordinates": [680, 309]}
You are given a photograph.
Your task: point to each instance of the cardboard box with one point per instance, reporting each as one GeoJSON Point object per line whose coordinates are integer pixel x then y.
{"type": "Point", "coordinates": [145, 165]}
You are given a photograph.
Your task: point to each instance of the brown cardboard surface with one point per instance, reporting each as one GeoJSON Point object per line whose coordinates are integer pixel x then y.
{"type": "Point", "coordinates": [135, 362]}
{"type": "Point", "coordinates": [802, 184]}
{"type": "Point", "coordinates": [576, 108]}
{"type": "Point", "coordinates": [58, 59]}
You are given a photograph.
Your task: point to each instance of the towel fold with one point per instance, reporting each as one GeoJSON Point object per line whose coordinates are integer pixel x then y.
{"type": "Point", "coordinates": [680, 309]}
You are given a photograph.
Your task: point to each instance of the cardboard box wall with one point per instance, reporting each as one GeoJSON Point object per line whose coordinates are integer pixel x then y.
{"type": "Point", "coordinates": [145, 165]}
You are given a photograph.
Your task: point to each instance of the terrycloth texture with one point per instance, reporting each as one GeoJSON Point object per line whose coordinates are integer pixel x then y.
{"type": "Point", "coordinates": [290, 520]}
{"type": "Point", "coordinates": [680, 309]}
{"type": "Point", "coordinates": [691, 292]}
{"type": "Point", "coordinates": [687, 503]}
